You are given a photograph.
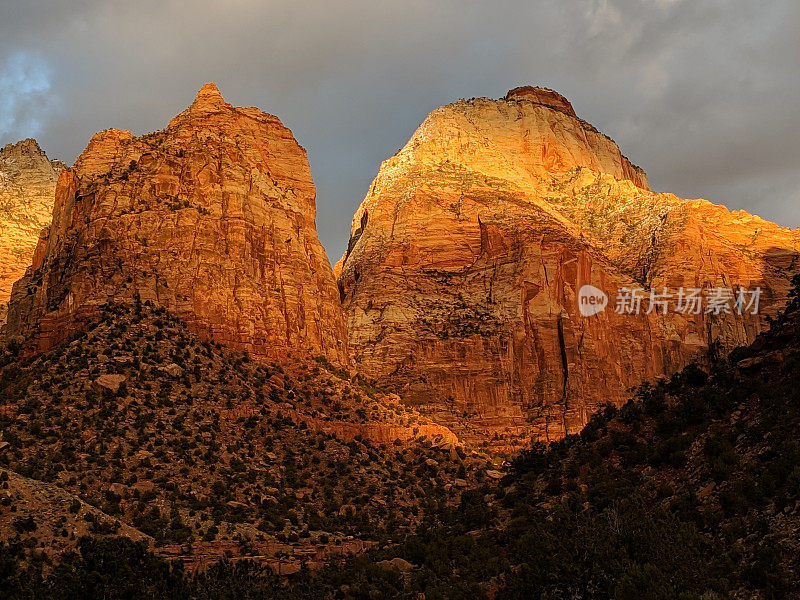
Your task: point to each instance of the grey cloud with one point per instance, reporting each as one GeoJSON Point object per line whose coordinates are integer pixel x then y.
{"type": "Point", "coordinates": [701, 93]}
{"type": "Point", "coordinates": [27, 100]}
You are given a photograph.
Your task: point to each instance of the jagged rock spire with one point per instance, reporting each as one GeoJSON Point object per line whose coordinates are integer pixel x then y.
{"type": "Point", "coordinates": [208, 98]}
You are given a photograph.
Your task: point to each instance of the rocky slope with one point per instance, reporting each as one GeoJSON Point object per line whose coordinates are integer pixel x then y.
{"type": "Point", "coordinates": [27, 184]}
{"type": "Point", "coordinates": [460, 282]}
{"type": "Point", "coordinates": [50, 520]}
{"type": "Point", "coordinates": [690, 490]}
{"type": "Point", "coordinates": [212, 219]}
{"type": "Point", "coordinates": [210, 453]}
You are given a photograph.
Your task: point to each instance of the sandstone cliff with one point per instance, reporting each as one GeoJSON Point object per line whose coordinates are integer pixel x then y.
{"type": "Point", "coordinates": [27, 183]}
{"type": "Point", "coordinates": [212, 218]}
{"type": "Point", "coordinates": [466, 256]}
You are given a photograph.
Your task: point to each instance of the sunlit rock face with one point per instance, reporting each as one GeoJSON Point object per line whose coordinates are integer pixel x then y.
{"type": "Point", "coordinates": [212, 218]}
{"type": "Point", "coordinates": [27, 184]}
{"type": "Point", "coordinates": [461, 279]}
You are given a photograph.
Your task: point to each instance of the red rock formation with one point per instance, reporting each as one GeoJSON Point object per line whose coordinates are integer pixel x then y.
{"type": "Point", "coordinates": [212, 219]}
{"type": "Point", "coordinates": [27, 183]}
{"type": "Point", "coordinates": [461, 277]}
{"type": "Point", "coordinates": [544, 96]}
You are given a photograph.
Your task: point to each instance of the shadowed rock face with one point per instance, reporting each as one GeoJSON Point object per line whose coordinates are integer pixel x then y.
{"type": "Point", "coordinates": [461, 278]}
{"type": "Point", "coordinates": [27, 183]}
{"type": "Point", "coordinates": [212, 218]}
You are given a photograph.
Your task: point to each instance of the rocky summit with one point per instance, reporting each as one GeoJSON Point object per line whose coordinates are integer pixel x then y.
{"type": "Point", "coordinates": [27, 183]}
{"type": "Point", "coordinates": [462, 275]}
{"type": "Point", "coordinates": [212, 219]}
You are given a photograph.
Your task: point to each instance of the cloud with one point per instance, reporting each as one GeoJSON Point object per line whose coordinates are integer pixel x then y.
{"type": "Point", "coordinates": [602, 15]}
{"type": "Point", "coordinates": [26, 95]}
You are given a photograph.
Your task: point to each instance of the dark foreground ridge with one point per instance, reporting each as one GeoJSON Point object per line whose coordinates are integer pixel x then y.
{"type": "Point", "coordinates": [139, 428]}
{"type": "Point", "coordinates": [691, 490]}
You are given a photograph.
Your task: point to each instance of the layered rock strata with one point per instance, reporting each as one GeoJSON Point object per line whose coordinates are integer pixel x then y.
{"type": "Point", "coordinates": [27, 184]}
{"type": "Point", "coordinates": [462, 275]}
{"type": "Point", "coordinates": [212, 218]}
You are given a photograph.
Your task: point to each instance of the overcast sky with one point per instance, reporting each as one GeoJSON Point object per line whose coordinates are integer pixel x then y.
{"type": "Point", "coordinates": [703, 94]}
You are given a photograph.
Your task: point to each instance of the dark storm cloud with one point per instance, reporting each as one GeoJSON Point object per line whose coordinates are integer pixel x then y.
{"type": "Point", "coordinates": [703, 94]}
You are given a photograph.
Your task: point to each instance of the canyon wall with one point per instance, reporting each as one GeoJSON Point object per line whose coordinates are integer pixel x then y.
{"type": "Point", "coordinates": [462, 275]}
{"type": "Point", "coordinates": [212, 218]}
{"type": "Point", "coordinates": [27, 184]}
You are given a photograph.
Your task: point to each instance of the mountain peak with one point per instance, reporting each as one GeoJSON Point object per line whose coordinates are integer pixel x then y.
{"type": "Point", "coordinates": [541, 95]}
{"type": "Point", "coordinates": [209, 98]}
{"type": "Point", "coordinates": [27, 184]}
{"type": "Point", "coordinates": [173, 194]}
{"type": "Point", "coordinates": [26, 146]}
{"type": "Point", "coordinates": [519, 198]}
